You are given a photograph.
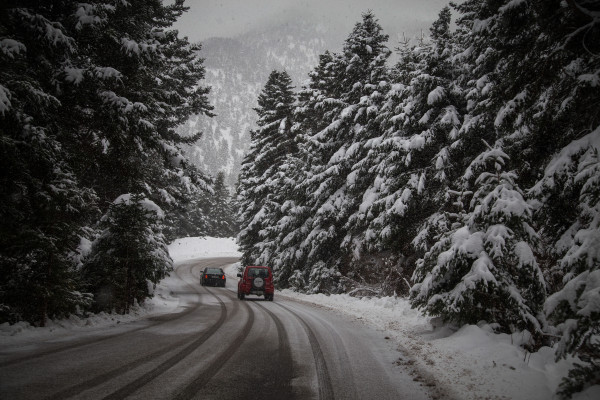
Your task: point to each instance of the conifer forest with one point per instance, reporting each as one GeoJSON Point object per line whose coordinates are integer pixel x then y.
{"type": "Point", "coordinates": [463, 175]}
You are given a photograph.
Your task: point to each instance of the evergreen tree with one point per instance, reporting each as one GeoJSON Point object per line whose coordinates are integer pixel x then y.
{"type": "Point", "coordinates": [259, 198]}
{"type": "Point", "coordinates": [221, 210]}
{"type": "Point", "coordinates": [483, 267]}
{"type": "Point", "coordinates": [192, 217]}
{"type": "Point", "coordinates": [129, 256]}
{"type": "Point", "coordinates": [574, 308]}
{"type": "Point", "coordinates": [332, 192]}
{"type": "Point", "coordinates": [132, 83]}
{"type": "Point", "coordinates": [539, 85]}
{"type": "Point", "coordinates": [90, 95]}
{"type": "Point", "coordinates": [316, 107]}
{"type": "Point", "coordinates": [42, 203]}
{"type": "Point", "coordinates": [408, 162]}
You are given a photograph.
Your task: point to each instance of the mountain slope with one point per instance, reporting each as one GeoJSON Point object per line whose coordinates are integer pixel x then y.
{"type": "Point", "coordinates": [237, 69]}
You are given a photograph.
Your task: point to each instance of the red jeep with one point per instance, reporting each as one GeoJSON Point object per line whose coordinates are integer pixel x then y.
{"type": "Point", "coordinates": [256, 280]}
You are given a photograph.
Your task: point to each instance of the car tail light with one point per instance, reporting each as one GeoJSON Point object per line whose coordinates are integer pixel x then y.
{"type": "Point", "coordinates": [205, 276]}
{"type": "Point", "coordinates": [223, 277]}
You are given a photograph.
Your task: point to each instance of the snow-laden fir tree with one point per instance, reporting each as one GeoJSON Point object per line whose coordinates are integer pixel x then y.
{"type": "Point", "coordinates": [222, 210]}
{"type": "Point", "coordinates": [484, 268]}
{"type": "Point", "coordinates": [132, 83]}
{"type": "Point", "coordinates": [259, 195]}
{"type": "Point", "coordinates": [568, 110]}
{"type": "Point", "coordinates": [192, 217]}
{"type": "Point", "coordinates": [130, 255]}
{"type": "Point", "coordinates": [42, 203]}
{"type": "Point", "coordinates": [540, 86]}
{"type": "Point", "coordinates": [362, 79]}
{"type": "Point", "coordinates": [317, 105]}
{"type": "Point", "coordinates": [575, 308]}
{"type": "Point", "coordinates": [408, 162]}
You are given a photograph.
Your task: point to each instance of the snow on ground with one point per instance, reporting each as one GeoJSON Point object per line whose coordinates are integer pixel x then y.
{"type": "Point", "coordinates": [467, 363]}
{"type": "Point", "coordinates": [194, 247]}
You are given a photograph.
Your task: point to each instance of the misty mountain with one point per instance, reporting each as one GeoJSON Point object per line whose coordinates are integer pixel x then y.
{"type": "Point", "coordinates": [237, 69]}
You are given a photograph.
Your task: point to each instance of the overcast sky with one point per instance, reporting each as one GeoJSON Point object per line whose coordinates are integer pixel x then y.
{"type": "Point", "coordinates": [227, 18]}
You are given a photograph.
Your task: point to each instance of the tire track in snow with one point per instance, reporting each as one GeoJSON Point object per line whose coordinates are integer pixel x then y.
{"type": "Point", "coordinates": [344, 363]}
{"type": "Point", "coordinates": [323, 376]}
{"type": "Point", "coordinates": [173, 360]}
{"type": "Point", "coordinates": [100, 379]}
{"type": "Point", "coordinates": [211, 370]}
{"type": "Point", "coordinates": [284, 350]}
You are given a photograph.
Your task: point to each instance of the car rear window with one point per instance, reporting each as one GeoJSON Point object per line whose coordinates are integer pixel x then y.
{"type": "Point", "coordinates": [258, 272]}
{"type": "Point", "coordinates": [214, 271]}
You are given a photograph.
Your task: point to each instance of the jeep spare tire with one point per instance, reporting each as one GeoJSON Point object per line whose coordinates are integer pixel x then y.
{"type": "Point", "coordinates": [258, 282]}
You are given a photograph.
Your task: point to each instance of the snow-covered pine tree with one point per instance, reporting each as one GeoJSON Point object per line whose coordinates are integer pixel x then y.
{"type": "Point", "coordinates": [316, 105]}
{"type": "Point", "coordinates": [575, 308]}
{"type": "Point", "coordinates": [221, 210]}
{"type": "Point", "coordinates": [90, 96]}
{"type": "Point", "coordinates": [362, 78]}
{"type": "Point", "coordinates": [487, 37]}
{"type": "Point", "coordinates": [132, 83]}
{"type": "Point", "coordinates": [484, 267]}
{"type": "Point", "coordinates": [409, 160]}
{"type": "Point", "coordinates": [568, 193]}
{"type": "Point", "coordinates": [401, 73]}
{"type": "Point", "coordinates": [259, 194]}
{"type": "Point", "coordinates": [192, 217]}
{"type": "Point", "coordinates": [42, 203]}
{"type": "Point", "coordinates": [540, 85]}
{"type": "Point", "coordinates": [129, 256]}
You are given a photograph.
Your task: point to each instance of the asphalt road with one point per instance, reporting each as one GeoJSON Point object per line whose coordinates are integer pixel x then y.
{"type": "Point", "coordinates": [218, 347]}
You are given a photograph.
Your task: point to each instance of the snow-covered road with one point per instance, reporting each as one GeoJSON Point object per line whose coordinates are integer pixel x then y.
{"type": "Point", "coordinates": [216, 347]}
{"type": "Point", "coordinates": [467, 363]}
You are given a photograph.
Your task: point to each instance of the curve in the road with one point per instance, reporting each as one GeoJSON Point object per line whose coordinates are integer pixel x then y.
{"type": "Point", "coordinates": [142, 380]}
{"type": "Point", "coordinates": [163, 319]}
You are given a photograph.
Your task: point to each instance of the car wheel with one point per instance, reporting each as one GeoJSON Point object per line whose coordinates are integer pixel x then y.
{"type": "Point", "coordinates": [242, 295]}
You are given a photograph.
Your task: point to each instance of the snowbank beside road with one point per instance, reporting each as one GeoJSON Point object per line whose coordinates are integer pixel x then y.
{"type": "Point", "coordinates": [469, 363]}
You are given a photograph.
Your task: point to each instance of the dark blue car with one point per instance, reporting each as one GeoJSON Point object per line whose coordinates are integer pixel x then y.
{"type": "Point", "coordinates": [213, 277]}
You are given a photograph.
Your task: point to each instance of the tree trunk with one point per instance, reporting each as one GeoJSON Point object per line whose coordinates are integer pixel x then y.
{"type": "Point", "coordinates": [43, 311]}
{"type": "Point", "coordinates": [127, 283]}
{"type": "Point", "coordinates": [44, 302]}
